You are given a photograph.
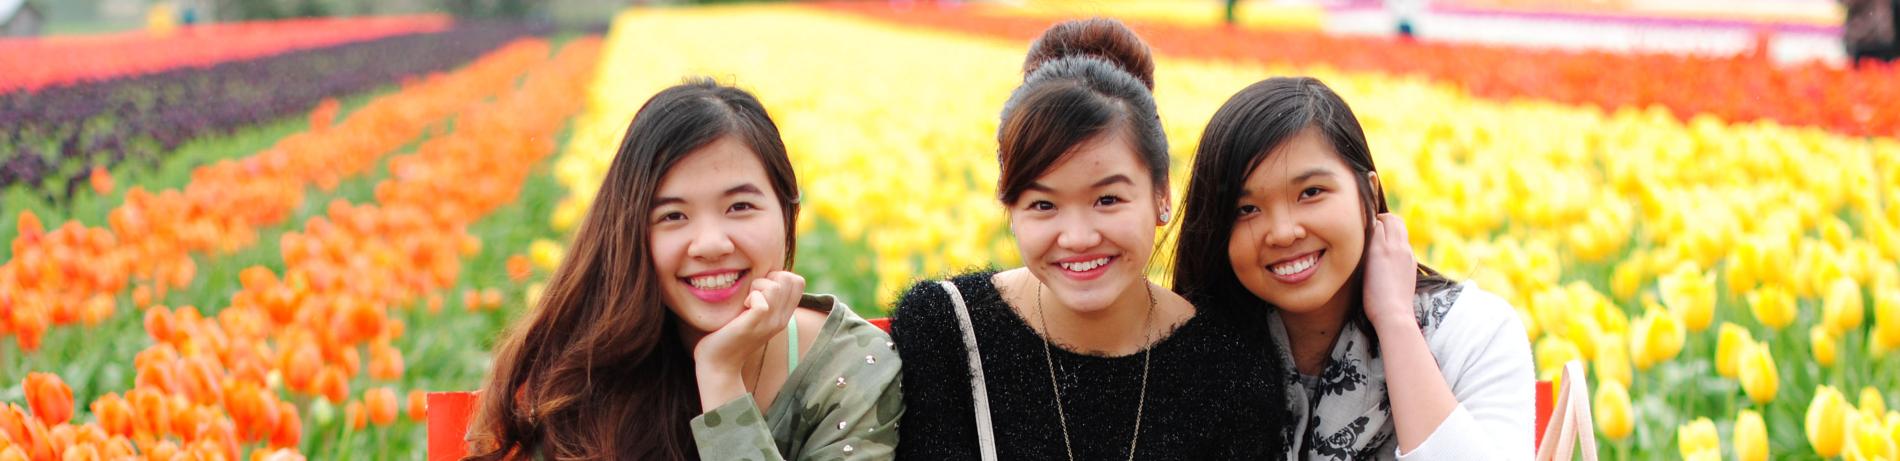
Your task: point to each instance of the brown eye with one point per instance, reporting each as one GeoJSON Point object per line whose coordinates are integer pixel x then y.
{"type": "Point", "coordinates": [1108, 200]}
{"type": "Point", "coordinates": [1041, 205]}
{"type": "Point", "coordinates": [1311, 192]}
{"type": "Point", "coordinates": [1248, 210]}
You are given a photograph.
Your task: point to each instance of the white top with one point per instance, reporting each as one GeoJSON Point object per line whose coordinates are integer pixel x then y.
{"type": "Point", "coordinates": [1485, 356]}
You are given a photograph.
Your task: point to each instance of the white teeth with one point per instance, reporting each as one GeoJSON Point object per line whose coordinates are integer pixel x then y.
{"type": "Point", "coordinates": [714, 282]}
{"type": "Point", "coordinates": [1084, 266]}
{"type": "Point", "coordinates": [1296, 266]}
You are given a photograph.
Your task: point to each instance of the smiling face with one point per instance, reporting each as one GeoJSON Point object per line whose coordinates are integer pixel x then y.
{"type": "Point", "coordinates": [1086, 226]}
{"type": "Point", "coordinates": [716, 227]}
{"type": "Point", "coordinates": [1301, 227]}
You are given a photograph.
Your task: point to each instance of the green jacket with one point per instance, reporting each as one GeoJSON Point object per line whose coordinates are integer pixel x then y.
{"type": "Point", "coordinates": [842, 401]}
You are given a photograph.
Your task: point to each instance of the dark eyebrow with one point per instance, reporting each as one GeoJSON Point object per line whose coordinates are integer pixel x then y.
{"type": "Point", "coordinates": [1119, 178]}
{"type": "Point", "coordinates": [1303, 177]}
{"type": "Point", "coordinates": [746, 188]}
{"type": "Point", "coordinates": [1313, 173]}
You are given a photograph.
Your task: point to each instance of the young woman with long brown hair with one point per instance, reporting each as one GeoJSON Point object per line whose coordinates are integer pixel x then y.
{"type": "Point", "coordinates": [673, 329]}
{"type": "Point", "coordinates": [1285, 216]}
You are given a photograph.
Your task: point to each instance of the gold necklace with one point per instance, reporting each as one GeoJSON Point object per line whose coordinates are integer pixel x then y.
{"type": "Point", "coordinates": [1049, 358]}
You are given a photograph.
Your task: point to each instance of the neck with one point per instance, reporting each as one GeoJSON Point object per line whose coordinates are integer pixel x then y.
{"type": "Point", "coordinates": [1310, 335]}
{"type": "Point", "coordinates": [1119, 330]}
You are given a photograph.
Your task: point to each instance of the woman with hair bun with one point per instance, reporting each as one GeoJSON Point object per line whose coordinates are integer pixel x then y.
{"type": "Point", "coordinates": [1076, 354]}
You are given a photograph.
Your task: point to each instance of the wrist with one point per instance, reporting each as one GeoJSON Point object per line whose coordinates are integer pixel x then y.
{"type": "Point", "coordinates": [1388, 325]}
{"type": "Point", "coordinates": [718, 387]}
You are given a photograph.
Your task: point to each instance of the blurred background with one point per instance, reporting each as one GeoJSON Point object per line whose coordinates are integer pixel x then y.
{"type": "Point", "coordinates": [257, 229]}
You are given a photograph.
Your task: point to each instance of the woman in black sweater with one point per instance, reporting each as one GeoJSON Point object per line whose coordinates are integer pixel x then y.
{"type": "Point", "coordinates": [1077, 355]}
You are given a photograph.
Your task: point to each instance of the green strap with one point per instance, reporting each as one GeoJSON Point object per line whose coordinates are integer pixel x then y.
{"type": "Point", "coordinates": [791, 345]}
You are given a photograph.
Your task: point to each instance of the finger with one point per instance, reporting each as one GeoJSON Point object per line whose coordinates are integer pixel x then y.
{"type": "Point", "coordinates": [794, 283]}
{"type": "Point", "coordinates": [1378, 232]}
{"type": "Point", "coordinates": [1395, 229]}
{"type": "Point", "coordinates": [756, 301]}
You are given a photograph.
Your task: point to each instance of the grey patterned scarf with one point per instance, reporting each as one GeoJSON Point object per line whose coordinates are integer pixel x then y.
{"type": "Point", "coordinates": [1348, 415]}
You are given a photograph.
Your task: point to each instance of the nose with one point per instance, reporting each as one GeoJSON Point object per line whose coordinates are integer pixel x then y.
{"type": "Point", "coordinates": [1282, 229]}
{"type": "Point", "coordinates": [710, 242]}
{"type": "Point", "coordinates": [1077, 233]}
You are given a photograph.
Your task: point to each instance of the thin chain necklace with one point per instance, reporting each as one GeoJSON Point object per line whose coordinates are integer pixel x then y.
{"type": "Point", "coordinates": [1061, 415]}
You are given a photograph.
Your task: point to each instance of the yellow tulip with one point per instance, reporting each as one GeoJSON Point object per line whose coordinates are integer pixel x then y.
{"type": "Point", "coordinates": [1870, 440]}
{"type": "Point", "coordinates": [545, 254]}
{"type": "Point", "coordinates": [1552, 353]}
{"type": "Point", "coordinates": [1750, 437]}
{"type": "Point", "coordinates": [1660, 339]}
{"type": "Point", "coordinates": [1828, 422]}
{"type": "Point", "coordinates": [1698, 437]}
{"type": "Point", "coordinates": [1728, 348]}
{"type": "Point", "coordinates": [1887, 316]}
{"type": "Point", "coordinates": [1613, 414]}
{"type": "Point", "coordinates": [1841, 308]}
{"type": "Point", "coordinates": [1773, 306]}
{"type": "Point", "coordinates": [1823, 344]}
{"type": "Point", "coordinates": [567, 214]}
{"type": "Point", "coordinates": [533, 295]}
{"type": "Point", "coordinates": [1613, 360]}
{"type": "Point", "coordinates": [1872, 405]}
{"type": "Point", "coordinates": [1690, 293]}
{"type": "Point", "coordinates": [1758, 375]}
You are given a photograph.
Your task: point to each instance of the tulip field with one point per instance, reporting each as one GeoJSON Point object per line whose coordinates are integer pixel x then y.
{"type": "Point", "coordinates": [282, 271]}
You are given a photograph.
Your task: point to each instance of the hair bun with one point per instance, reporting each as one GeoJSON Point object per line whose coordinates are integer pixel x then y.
{"type": "Point", "coordinates": [1101, 38]}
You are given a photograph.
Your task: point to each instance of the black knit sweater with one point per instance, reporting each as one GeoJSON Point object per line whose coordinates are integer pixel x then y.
{"type": "Point", "coordinates": [1210, 395]}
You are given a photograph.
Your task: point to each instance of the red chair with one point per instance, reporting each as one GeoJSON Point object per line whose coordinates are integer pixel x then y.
{"type": "Point", "coordinates": [449, 414]}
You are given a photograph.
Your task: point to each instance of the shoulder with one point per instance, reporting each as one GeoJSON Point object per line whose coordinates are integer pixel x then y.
{"type": "Point", "coordinates": [1477, 330]}
{"type": "Point", "coordinates": [1474, 309]}
{"type": "Point", "coordinates": [927, 303]}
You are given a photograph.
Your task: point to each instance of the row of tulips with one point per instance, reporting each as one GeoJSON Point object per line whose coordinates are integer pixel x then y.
{"type": "Point", "coordinates": [62, 131]}
{"type": "Point", "coordinates": [35, 63]}
{"type": "Point", "coordinates": [214, 386]}
{"type": "Point", "coordinates": [1740, 88]}
{"type": "Point", "coordinates": [73, 272]}
{"type": "Point", "coordinates": [1627, 238]}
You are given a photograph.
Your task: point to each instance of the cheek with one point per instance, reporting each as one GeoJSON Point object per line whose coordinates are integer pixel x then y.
{"type": "Point", "coordinates": [1134, 233]}
{"type": "Point", "coordinates": [668, 249]}
{"type": "Point", "coordinates": [1032, 237]}
{"type": "Point", "coordinates": [1240, 250]}
{"type": "Point", "coordinates": [764, 240]}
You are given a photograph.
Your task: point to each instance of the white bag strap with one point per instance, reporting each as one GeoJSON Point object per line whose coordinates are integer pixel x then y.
{"type": "Point", "coordinates": [1570, 421]}
{"type": "Point", "coordinates": [979, 390]}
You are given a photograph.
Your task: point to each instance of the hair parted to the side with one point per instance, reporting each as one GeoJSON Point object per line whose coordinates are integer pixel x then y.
{"type": "Point", "coordinates": [596, 370]}
{"type": "Point", "coordinates": [1082, 79]}
{"type": "Point", "coordinates": [1241, 135]}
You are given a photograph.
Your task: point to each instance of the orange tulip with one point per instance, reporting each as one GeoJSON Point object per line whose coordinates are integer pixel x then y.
{"type": "Point", "coordinates": [354, 414]}
{"type": "Point", "coordinates": [418, 405]}
{"type": "Point", "coordinates": [332, 384]}
{"type": "Point", "coordinates": [100, 180]}
{"type": "Point", "coordinates": [289, 428]}
{"type": "Point", "coordinates": [519, 268]}
{"type": "Point", "coordinates": [114, 414]}
{"type": "Point", "coordinates": [381, 405]}
{"type": "Point", "coordinates": [385, 363]}
{"type": "Point", "coordinates": [49, 397]}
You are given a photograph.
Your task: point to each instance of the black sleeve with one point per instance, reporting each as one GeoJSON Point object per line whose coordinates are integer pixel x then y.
{"type": "Point", "coordinates": [939, 421]}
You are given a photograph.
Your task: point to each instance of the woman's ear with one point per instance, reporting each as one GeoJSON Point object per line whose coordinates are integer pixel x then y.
{"type": "Point", "coordinates": [1163, 211]}
{"type": "Point", "coordinates": [1378, 190]}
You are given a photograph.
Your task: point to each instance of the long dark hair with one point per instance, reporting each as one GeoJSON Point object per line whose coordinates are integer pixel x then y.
{"type": "Point", "coordinates": [1081, 79]}
{"type": "Point", "coordinates": [597, 370]}
{"type": "Point", "coordinates": [1249, 127]}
